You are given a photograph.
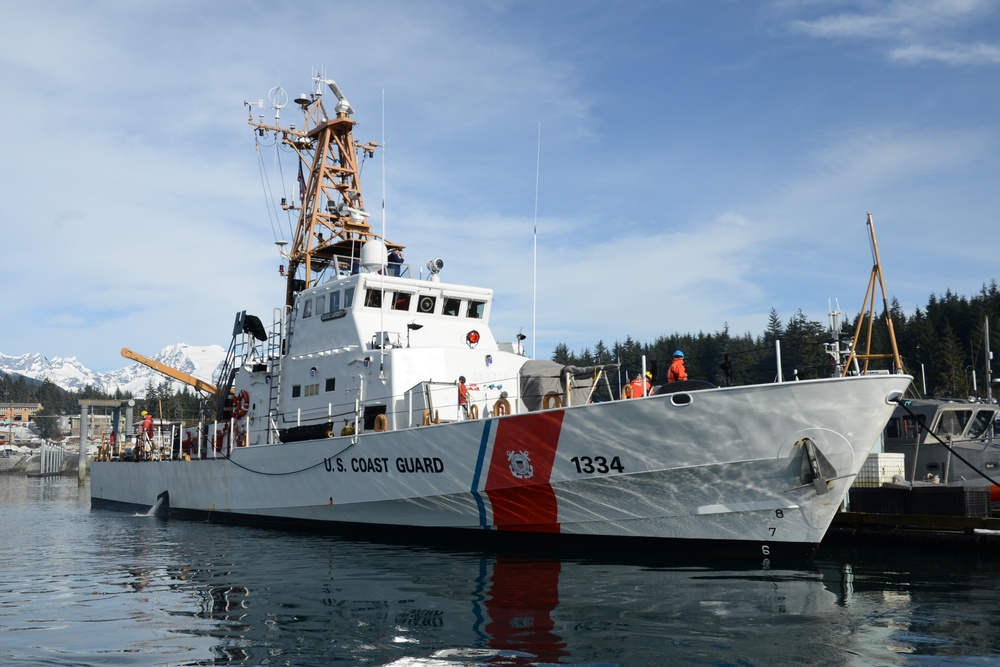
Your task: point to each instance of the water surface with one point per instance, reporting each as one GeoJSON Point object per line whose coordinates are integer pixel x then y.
{"type": "Point", "coordinates": [96, 587]}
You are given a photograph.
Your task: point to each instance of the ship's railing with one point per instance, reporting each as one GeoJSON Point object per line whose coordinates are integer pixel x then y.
{"type": "Point", "coordinates": [165, 445]}
{"type": "Point", "coordinates": [345, 265]}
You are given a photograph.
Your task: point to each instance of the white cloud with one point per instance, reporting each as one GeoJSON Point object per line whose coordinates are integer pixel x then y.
{"type": "Point", "coordinates": [915, 31]}
{"type": "Point", "coordinates": [958, 55]}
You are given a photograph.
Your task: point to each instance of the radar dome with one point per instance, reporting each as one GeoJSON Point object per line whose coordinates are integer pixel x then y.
{"type": "Point", "coordinates": [373, 254]}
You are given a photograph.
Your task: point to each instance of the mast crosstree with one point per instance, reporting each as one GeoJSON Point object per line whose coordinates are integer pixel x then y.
{"type": "Point", "coordinates": [333, 222]}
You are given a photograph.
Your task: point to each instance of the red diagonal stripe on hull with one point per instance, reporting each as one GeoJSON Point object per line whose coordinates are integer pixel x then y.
{"type": "Point", "coordinates": [525, 503]}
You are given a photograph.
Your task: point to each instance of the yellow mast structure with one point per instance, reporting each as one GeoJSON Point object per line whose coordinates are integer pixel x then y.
{"type": "Point", "coordinates": [868, 317]}
{"type": "Point", "coordinates": [333, 222]}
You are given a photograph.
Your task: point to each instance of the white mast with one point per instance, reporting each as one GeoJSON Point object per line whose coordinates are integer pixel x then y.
{"type": "Point", "coordinates": [989, 358]}
{"type": "Point", "coordinates": [534, 268]}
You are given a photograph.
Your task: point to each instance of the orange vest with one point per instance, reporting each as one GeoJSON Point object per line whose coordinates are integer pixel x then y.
{"type": "Point", "coordinates": [677, 371]}
{"type": "Point", "coordinates": [640, 387]}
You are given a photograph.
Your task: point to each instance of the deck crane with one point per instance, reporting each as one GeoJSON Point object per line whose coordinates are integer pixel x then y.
{"type": "Point", "coordinates": [171, 372]}
{"type": "Point", "coordinates": [217, 404]}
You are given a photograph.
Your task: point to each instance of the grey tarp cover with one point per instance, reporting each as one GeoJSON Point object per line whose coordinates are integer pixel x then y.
{"type": "Point", "coordinates": [539, 377]}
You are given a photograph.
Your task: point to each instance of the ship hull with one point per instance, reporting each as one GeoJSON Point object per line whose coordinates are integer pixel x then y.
{"type": "Point", "coordinates": [718, 470]}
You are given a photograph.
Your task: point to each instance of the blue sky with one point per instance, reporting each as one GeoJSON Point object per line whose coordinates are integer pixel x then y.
{"type": "Point", "coordinates": [699, 163]}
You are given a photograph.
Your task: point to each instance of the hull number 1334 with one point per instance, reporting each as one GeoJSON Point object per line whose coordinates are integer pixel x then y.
{"type": "Point", "coordinates": [596, 464]}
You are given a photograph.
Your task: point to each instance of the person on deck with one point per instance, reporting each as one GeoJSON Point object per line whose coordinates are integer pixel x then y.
{"type": "Point", "coordinates": [640, 386]}
{"type": "Point", "coordinates": [147, 425]}
{"type": "Point", "coordinates": [395, 262]}
{"type": "Point", "coordinates": [463, 398]}
{"type": "Point", "coordinates": [677, 372]}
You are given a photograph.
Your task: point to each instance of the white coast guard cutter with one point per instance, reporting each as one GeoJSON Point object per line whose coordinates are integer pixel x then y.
{"type": "Point", "coordinates": [342, 413]}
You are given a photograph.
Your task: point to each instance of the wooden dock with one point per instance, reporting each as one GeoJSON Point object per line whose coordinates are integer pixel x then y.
{"type": "Point", "coordinates": [872, 528]}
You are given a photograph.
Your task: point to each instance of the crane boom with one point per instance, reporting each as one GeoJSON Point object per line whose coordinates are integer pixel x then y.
{"type": "Point", "coordinates": [171, 372]}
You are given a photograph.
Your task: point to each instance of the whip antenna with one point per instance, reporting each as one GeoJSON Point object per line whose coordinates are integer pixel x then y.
{"type": "Point", "coordinates": [534, 251]}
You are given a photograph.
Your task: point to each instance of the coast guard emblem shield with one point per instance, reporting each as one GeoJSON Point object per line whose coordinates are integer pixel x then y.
{"type": "Point", "coordinates": [520, 464]}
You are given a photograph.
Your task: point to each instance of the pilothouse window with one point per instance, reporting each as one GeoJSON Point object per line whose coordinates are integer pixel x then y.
{"type": "Point", "coordinates": [912, 425]}
{"type": "Point", "coordinates": [307, 309]}
{"type": "Point", "coordinates": [401, 301]}
{"type": "Point", "coordinates": [373, 298]}
{"type": "Point", "coordinates": [334, 301]}
{"type": "Point", "coordinates": [981, 422]}
{"type": "Point", "coordinates": [953, 422]}
{"type": "Point", "coordinates": [348, 297]}
{"type": "Point", "coordinates": [476, 309]}
{"type": "Point", "coordinates": [451, 306]}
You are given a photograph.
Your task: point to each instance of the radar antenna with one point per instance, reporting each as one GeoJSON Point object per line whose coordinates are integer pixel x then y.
{"type": "Point", "coordinates": [278, 98]}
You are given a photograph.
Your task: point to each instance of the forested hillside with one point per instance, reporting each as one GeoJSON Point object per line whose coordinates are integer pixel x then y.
{"type": "Point", "coordinates": [942, 343]}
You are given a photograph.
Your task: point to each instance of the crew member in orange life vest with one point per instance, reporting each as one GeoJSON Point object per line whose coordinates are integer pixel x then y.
{"type": "Point", "coordinates": [463, 398]}
{"type": "Point", "coordinates": [147, 424]}
{"type": "Point", "coordinates": [639, 386]}
{"type": "Point", "coordinates": [677, 372]}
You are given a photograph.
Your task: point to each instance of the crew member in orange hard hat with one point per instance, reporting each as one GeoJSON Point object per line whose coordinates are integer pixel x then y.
{"type": "Point", "coordinates": [677, 372]}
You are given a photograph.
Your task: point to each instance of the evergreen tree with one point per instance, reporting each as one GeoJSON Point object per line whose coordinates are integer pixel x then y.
{"type": "Point", "coordinates": [561, 354]}
{"type": "Point", "coordinates": [802, 348]}
{"type": "Point", "coordinates": [950, 367]}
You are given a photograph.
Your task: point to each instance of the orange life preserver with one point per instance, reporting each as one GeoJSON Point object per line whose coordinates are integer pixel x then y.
{"type": "Point", "coordinates": [241, 403]}
{"type": "Point", "coordinates": [550, 398]}
{"type": "Point", "coordinates": [381, 423]}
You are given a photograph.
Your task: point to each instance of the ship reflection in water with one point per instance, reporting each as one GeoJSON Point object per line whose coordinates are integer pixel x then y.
{"type": "Point", "coordinates": [83, 587]}
{"type": "Point", "coordinates": [308, 600]}
{"type": "Point", "coordinates": [286, 599]}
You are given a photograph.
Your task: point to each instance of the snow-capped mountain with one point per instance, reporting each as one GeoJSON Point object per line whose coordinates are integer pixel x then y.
{"type": "Point", "coordinates": [68, 373]}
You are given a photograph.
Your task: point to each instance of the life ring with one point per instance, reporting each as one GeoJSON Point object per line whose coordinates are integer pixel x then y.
{"type": "Point", "coordinates": [473, 411]}
{"type": "Point", "coordinates": [501, 407]}
{"type": "Point", "coordinates": [550, 399]}
{"type": "Point", "coordinates": [626, 392]}
{"type": "Point", "coordinates": [427, 418]}
{"type": "Point", "coordinates": [241, 403]}
{"type": "Point", "coordinates": [381, 423]}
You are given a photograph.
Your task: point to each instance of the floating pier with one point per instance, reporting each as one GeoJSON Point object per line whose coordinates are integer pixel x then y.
{"type": "Point", "coordinates": [922, 529]}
